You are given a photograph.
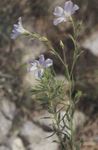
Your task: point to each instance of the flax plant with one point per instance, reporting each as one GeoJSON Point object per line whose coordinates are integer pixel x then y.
{"type": "Point", "coordinates": [51, 92]}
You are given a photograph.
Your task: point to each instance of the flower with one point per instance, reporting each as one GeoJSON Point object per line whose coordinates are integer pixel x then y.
{"type": "Point", "coordinates": [64, 15]}
{"type": "Point", "coordinates": [38, 66]}
{"type": "Point", "coordinates": [18, 29]}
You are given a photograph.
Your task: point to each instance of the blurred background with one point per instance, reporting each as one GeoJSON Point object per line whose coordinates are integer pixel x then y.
{"type": "Point", "coordinates": [17, 108]}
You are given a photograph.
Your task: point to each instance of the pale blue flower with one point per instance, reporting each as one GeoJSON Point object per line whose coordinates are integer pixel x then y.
{"type": "Point", "coordinates": [64, 14]}
{"type": "Point", "coordinates": [38, 66]}
{"type": "Point", "coordinates": [18, 29]}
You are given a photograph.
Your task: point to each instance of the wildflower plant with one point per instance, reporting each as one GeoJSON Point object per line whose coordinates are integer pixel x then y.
{"type": "Point", "coordinates": [50, 92]}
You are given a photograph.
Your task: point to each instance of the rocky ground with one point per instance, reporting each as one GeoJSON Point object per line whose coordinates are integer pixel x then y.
{"type": "Point", "coordinates": [30, 131]}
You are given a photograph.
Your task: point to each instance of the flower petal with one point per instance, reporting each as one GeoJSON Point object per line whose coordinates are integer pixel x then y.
{"type": "Point", "coordinates": [38, 73]}
{"type": "Point", "coordinates": [41, 59]}
{"type": "Point", "coordinates": [68, 6]}
{"type": "Point", "coordinates": [14, 35]}
{"type": "Point", "coordinates": [58, 20]}
{"type": "Point", "coordinates": [75, 7]}
{"type": "Point", "coordinates": [58, 11]}
{"type": "Point", "coordinates": [20, 21]}
{"type": "Point", "coordinates": [48, 63]}
{"type": "Point", "coordinates": [34, 66]}
{"type": "Point", "coordinates": [15, 26]}
{"type": "Point", "coordinates": [18, 29]}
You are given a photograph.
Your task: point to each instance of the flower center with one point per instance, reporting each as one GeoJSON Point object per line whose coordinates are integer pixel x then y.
{"type": "Point", "coordinates": [39, 66]}
{"type": "Point", "coordinates": [66, 14]}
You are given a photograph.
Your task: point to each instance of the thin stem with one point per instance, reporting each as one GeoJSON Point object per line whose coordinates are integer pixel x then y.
{"type": "Point", "coordinates": [64, 64]}
{"type": "Point", "coordinates": [44, 39]}
{"type": "Point", "coordinates": [74, 40]}
{"type": "Point", "coordinates": [71, 81]}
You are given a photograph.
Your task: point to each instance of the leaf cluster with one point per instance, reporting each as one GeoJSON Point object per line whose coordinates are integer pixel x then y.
{"type": "Point", "coordinates": [49, 89]}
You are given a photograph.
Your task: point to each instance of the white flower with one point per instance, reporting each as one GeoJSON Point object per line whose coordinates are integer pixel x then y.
{"type": "Point", "coordinates": [38, 66]}
{"type": "Point", "coordinates": [64, 15]}
{"type": "Point", "coordinates": [18, 29]}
